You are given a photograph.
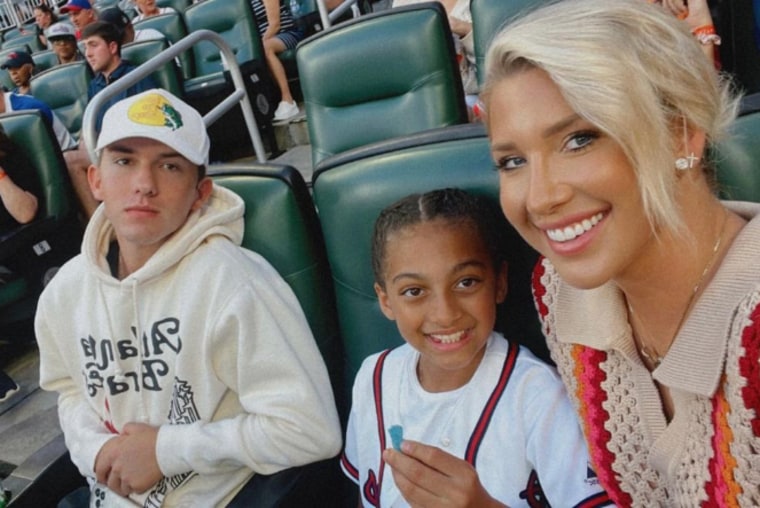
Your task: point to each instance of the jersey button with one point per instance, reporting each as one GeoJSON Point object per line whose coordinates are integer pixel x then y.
{"type": "Point", "coordinates": [445, 442]}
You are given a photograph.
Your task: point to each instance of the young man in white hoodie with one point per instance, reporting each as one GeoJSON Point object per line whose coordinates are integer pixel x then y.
{"type": "Point", "coordinates": [183, 362]}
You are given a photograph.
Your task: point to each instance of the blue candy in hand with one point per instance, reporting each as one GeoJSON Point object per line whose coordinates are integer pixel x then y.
{"type": "Point", "coordinates": [397, 435]}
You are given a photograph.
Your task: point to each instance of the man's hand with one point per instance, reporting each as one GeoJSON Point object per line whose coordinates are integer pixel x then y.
{"type": "Point", "coordinates": [429, 477]}
{"type": "Point", "coordinates": [128, 463]}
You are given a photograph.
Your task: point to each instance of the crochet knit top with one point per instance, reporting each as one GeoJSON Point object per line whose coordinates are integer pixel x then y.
{"type": "Point", "coordinates": [709, 453]}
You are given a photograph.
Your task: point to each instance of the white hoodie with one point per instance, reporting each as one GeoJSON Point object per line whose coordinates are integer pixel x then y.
{"type": "Point", "coordinates": [206, 341]}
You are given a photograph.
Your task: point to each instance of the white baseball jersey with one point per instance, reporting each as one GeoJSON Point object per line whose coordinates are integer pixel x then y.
{"type": "Point", "coordinates": [512, 421]}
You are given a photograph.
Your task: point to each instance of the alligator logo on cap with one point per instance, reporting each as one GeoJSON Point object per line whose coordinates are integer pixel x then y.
{"type": "Point", "coordinates": [155, 110]}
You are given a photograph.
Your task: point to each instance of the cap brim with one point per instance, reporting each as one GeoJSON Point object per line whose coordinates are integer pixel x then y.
{"type": "Point", "coordinates": [182, 149]}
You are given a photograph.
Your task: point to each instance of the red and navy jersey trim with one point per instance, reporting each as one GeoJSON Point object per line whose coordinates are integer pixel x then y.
{"type": "Point", "coordinates": [348, 467]}
{"type": "Point", "coordinates": [377, 388]}
{"type": "Point", "coordinates": [595, 501]}
{"type": "Point", "coordinates": [476, 438]}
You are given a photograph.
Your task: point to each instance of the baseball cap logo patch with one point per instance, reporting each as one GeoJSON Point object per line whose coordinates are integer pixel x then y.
{"type": "Point", "coordinates": [155, 110]}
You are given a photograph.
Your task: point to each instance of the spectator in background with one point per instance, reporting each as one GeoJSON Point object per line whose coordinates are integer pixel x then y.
{"type": "Point", "coordinates": [81, 14]}
{"type": "Point", "coordinates": [62, 37]}
{"type": "Point", "coordinates": [44, 17]}
{"type": "Point", "coordinates": [102, 42]}
{"type": "Point", "coordinates": [148, 8]}
{"type": "Point", "coordinates": [20, 66]}
{"type": "Point", "coordinates": [278, 33]}
{"type": "Point", "coordinates": [18, 205]}
{"type": "Point", "coordinates": [696, 14]}
{"type": "Point", "coordinates": [15, 102]}
{"type": "Point", "coordinates": [120, 20]}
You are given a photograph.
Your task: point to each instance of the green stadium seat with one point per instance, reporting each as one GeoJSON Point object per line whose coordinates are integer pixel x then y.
{"type": "Point", "coordinates": [281, 225]}
{"type": "Point", "coordinates": [379, 76]}
{"type": "Point", "coordinates": [172, 25]}
{"type": "Point", "coordinates": [738, 160]}
{"type": "Point", "coordinates": [27, 39]}
{"type": "Point", "coordinates": [167, 76]}
{"type": "Point", "coordinates": [36, 249]}
{"type": "Point", "coordinates": [44, 60]}
{"type": "Point", "coordinates": [233, 20]}
{"type": "Point", "coordinates": [351, 189]}
{"type": "Point", "coordinates": [488, 16]}
{"type": "Point", "coordinates": [100, 5]}
{"type": "Point", "coordinates": [64, 89]}
{"type": "Point", "coordinates": [177, 5]}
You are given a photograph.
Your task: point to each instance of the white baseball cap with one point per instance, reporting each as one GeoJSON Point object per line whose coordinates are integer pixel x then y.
{"type": "Point", "coordinates": [157, 114]}
{"type": "Point", "coordinates": [61, 29]}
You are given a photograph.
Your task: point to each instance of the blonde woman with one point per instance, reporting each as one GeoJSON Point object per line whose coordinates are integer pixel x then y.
{"type": "Point", "coordinates": [601, 115]}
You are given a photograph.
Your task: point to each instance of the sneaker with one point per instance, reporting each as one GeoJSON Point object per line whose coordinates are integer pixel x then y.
{"type": "Point", "coordinates": [7, 387]}
{"type": "Point", "coordinates": [285, 111]}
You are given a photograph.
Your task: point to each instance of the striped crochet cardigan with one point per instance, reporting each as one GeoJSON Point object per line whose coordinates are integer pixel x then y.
{"type": "Point", "coordinates": [709, 454]}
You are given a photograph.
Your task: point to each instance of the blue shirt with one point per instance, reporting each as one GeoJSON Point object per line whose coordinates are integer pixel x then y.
{"type": "Point", "coordinates": [99, 82]}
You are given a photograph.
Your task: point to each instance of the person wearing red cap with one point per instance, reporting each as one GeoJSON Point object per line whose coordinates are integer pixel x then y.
{"type": "Point", "coordinates": [80, 13]}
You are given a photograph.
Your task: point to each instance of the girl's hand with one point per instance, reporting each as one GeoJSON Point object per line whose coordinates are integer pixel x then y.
{"type": "Point", "coordinates": [429, 477]}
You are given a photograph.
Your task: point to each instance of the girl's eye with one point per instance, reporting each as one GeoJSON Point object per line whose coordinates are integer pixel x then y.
{"type": "Point", "coordinates": [411, 292]}
{"type": "Point", "coordinates": [581, 140]}
{"type": "Point", "coordinates": [509, 162]}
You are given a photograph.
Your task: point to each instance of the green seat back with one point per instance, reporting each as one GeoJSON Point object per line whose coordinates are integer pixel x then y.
{"type": "Point", "coordinates": [101, 5]}
{"type": "Point", "coordinates": [64, 89]}
{"type": "Point", "coordinates": [488, 16]}
{"type": "Point", "coordinates": [167, 76]}
{"type": "Point", "coordinates": [56, 222]}
{"type": "Point", "coordinates": [172, 25]}
{"type": "Point", "coordinates": [380, 76]}
{"type": "Point", "coordinates": [44, 60]}
{"type": "Point", "coordinates": [233, 20]}
{"type": "Point", "coordinates": [5, 77]}
{"type": "Point", "coordinates": [27, 39]}
{"type": "Point", "coordinates": [738, 160]}
{"type": "Point", "coordinates": [177, 5]}
{"type": "Point", "coordinates": [350, 191]}
{"type": "Point", "coordinates": [32, 135]}
{"type": "Point", "coordinates": [281, 225]}
{"type": "Point", "coordinates": [13, 291]}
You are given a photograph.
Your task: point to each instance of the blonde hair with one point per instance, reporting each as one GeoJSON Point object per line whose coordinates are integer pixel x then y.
{"type": "Point", "coordinates": [632, 70]}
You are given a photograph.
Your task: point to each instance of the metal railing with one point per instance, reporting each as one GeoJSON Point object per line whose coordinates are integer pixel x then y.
{"type": "Point", "coordinates": [14, 13]}
{"type": "Point", "coordinates": [239, 94]}
{"type": "Point", "coordinates": [327, 17]}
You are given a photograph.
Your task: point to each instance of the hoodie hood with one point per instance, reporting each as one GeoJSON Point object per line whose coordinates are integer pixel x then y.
{"type": "Point", "coordinates": [222, 215]}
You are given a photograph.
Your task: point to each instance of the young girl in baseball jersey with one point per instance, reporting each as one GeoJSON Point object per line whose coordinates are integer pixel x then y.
{"type": "Point", "coordinates": [484, 422]}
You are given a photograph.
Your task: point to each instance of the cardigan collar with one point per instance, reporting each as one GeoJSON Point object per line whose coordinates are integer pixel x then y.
{"type": "Point", "coordinates": [598, 317]}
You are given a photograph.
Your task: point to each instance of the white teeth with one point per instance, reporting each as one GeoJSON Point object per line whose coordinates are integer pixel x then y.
{"type": "Point", "coordinates": [574, 231]}
{"type": "Point", "coordinates": [450, 338]}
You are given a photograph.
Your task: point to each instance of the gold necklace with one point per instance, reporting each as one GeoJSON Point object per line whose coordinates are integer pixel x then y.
{"type": "Point", "coordinates": [650, 355]}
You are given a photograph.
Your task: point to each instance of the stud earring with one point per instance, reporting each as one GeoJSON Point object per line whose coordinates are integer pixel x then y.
{"type": "Point", "coordinates": [684, 163]}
